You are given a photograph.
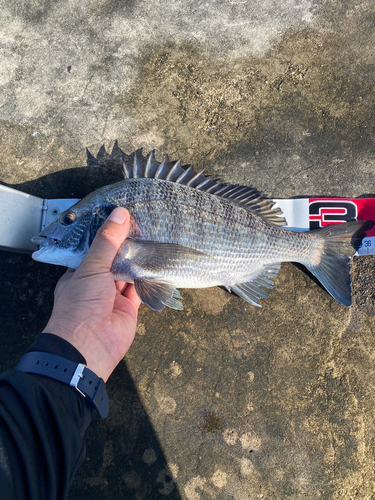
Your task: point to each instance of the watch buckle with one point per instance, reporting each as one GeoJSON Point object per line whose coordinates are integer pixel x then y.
{"type": "Point", "coordinates": [77, 376]}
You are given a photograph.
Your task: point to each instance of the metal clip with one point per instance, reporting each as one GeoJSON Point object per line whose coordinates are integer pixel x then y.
{"type": "Point", "coordinates": [77, 375]}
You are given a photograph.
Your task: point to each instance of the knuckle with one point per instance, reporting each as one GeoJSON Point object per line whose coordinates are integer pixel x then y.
{"type": "Point", "coordinates": [106, 234]}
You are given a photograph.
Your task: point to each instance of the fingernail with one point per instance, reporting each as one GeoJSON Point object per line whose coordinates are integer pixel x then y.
{"type": "Point", "coordinates": [118, 215]}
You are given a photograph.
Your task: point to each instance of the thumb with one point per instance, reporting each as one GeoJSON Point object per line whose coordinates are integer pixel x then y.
{"type": "Point", "coordinates": [107, 241]}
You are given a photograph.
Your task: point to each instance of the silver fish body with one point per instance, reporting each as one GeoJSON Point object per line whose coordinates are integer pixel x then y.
{"type": "Point", "coordinates": [197, 233]}
{"type": "Point", "coordinates": [229, 242]}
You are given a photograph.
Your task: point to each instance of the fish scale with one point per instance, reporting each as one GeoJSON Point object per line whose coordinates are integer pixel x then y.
{"type": "Point", "coordinates": [190, 231]}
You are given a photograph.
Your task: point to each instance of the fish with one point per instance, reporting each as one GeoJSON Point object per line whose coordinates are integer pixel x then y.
{"type": "Point", "coordinates": [188, 230]}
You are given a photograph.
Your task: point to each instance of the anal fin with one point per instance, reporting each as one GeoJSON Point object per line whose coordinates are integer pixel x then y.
{"type": "Point", "coordinates": [173, 303]}
{"type": "Point", "coordinates": [157, 294]}
{"type": "Point", "coordinates": [251, 290]}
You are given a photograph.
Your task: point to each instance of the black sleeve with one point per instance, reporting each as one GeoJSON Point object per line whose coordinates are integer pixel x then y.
{"type": "Point", "coordinates": [42, 424]}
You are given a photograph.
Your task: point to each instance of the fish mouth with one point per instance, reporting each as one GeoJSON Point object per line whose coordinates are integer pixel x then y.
{"type": "Point", "coordinates": [52, 251]}
{"type": "Point", "coordinates": [44, 241]}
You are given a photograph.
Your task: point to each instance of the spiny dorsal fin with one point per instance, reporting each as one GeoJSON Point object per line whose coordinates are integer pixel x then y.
{"type": "Point", "coordinates": [151, 165]}
{"type": "Point", "coordinates": [127, 171]}
{"type": "Point", "coordinates": [244, 196]}
{"type": "Point", "coordinates": [138, 168]}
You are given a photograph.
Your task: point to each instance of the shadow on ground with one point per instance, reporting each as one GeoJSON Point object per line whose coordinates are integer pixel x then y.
{"type": "Point", "coordinates": [124, 456]}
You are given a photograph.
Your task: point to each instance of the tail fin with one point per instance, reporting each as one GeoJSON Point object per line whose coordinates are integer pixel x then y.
{"type": "Point", "coordinates": [341, 241]}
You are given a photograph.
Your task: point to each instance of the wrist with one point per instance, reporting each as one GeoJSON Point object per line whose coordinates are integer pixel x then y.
{"type": "Point", "coordinates": [76, 375]}
{"type": "Point", "coordinates": [97, 357]}
{"type": "Point", "coordinates": [48, 342]}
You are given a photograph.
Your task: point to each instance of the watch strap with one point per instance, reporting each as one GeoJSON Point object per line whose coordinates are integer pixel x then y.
{"type": "Point", "coordinates": [77, 375]}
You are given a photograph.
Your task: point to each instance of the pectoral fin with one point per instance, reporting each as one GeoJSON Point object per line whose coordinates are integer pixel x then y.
{"type": "Point", "coordinates": [158, 294]}
{"type": "Point", "coordinates": [154, 256]}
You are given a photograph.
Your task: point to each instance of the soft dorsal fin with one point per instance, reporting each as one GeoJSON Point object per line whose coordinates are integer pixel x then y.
{"type": "Point", "coordinates": [245, 196]}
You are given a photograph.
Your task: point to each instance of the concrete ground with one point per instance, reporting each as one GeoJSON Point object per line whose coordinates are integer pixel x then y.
{"type": "Point", "coordinates": [223, 400]}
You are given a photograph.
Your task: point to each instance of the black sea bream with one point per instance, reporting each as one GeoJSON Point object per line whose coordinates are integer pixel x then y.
{"type": "Point", "coordinates": [190, 231]}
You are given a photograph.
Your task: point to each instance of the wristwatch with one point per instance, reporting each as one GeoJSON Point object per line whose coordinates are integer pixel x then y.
{"type": "Point", "coordinates": [77, 375]}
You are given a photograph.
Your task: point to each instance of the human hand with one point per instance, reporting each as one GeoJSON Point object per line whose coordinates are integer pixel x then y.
{"type": "Point", "coordinates": [91, 310]}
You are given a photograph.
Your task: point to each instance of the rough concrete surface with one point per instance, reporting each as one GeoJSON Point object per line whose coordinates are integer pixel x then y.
{"type": "Point", "coordinates": [222, 400]}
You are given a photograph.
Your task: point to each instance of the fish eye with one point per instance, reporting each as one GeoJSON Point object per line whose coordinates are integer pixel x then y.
{"type": "Point", "coordinates": [67, 219]}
